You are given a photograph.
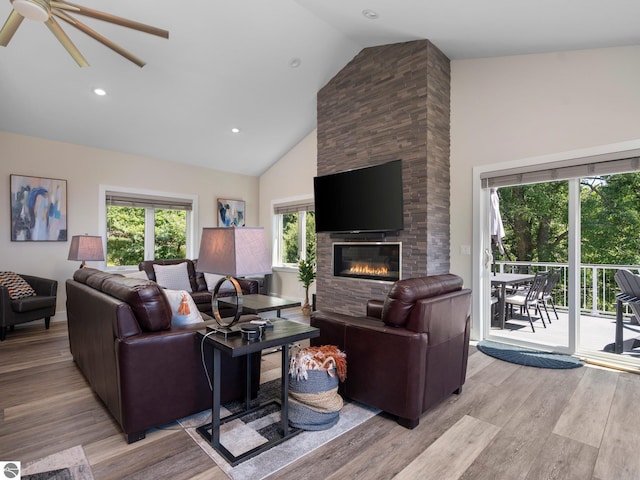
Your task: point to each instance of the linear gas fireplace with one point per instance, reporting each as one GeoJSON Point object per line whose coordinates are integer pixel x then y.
{"type": "Point", "coordinates": [369, 261]}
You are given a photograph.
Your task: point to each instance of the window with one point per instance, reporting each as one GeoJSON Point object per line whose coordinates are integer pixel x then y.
{"type": "Point", "coordinates": [295, 227]}
{"type": "Point", "coordinates": [146, 227]}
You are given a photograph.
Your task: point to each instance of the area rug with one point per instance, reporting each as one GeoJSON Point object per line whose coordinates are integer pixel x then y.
{"type": "Point", "coordinates": [527, 356]}
{"type": "Point", "coordinates": [70, 464]}
{"type": "Point", "coordinates": [241, 435]}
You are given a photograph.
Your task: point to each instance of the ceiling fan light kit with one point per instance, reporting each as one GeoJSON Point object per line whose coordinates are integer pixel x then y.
{"type": "Point", "coordinates": [46, 10]}
{"type": "Point", "coordinates": [37, 10]}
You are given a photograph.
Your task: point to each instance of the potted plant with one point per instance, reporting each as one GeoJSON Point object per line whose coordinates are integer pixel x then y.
{"type": "Point", "coordinates": [306, 274]}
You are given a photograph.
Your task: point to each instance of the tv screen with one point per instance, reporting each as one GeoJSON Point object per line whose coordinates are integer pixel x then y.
{"type": "Point", "coordinates": [366, 199]}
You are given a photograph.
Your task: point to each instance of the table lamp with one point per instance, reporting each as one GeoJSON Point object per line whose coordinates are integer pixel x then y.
{"type": "Point", "coordinates": [86, 248]}
{"type": "Point", "coordinates": [232, 252]}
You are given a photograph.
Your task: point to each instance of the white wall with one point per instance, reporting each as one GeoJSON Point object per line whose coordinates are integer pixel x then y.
{"type": "Point", "coordinates": [507, 109]}
{"type": "Point", "coordinates": [85, 169]}
{"type": "Point", "coordinates": [503, 110]}
{"type": "Point", "coordinates": [290, 178]}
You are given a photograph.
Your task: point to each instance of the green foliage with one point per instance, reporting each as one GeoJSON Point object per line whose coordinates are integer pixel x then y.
{"type": "Point", "coordinates": [535, 218]}
{"type": "Point", "coordinates": [611, 219]}
{"type": "Point", "coordinates": [290, 243]}
{"type": "Point", "coordinates": [290, 251]}
{"type": "Point", "coordinates": [170, 234]}
{"type": "Point", "coordinates": [306, 272]}
{"type": "Point", "coordinates": [126, 229]}
{"type": "Point", "coordinates": [125, 236]}
{"type": "Point", "coordinates": [535, 221]}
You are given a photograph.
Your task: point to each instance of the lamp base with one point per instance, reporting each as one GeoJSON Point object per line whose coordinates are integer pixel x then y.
{"type": "Point", "coordinates": [225, 322]}
{"type": "Point", "coordinates": [225, 331]}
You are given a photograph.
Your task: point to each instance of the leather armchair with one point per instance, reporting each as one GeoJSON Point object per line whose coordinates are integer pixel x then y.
{"type": "Point", "coordinates": [409, 352]}
{"type": "Point", "coordinates": [42, 305]}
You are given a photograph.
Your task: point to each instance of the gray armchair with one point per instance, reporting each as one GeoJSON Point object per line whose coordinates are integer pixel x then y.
{"type": "Point", "coordinates": [41, 305]}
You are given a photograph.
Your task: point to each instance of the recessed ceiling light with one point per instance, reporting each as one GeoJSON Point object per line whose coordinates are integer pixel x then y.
{"type": "Point", "coordinates": [295, 62]}
{"type": "Point", "coordinates": [370, 14]}
{"type": "Point", "coordinates": [235, 130]}
{"type": "Point", "coordinates": [100, 92]}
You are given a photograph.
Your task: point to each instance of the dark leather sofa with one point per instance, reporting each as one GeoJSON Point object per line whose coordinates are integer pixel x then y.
{"type": "Point", "coordinates": [201, 296]}
{"type": "Point", "coordinates": [409, 352]}
{"type": "Point", "coordinates": [146, 372]}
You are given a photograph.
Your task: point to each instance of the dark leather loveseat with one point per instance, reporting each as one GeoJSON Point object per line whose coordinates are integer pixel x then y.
{"type": "Point", "coordinates": [201, 296]}
{"type": "Point", "coordinates": [146, 372]}
{"type": "Point", "coordinates": [410, 351]}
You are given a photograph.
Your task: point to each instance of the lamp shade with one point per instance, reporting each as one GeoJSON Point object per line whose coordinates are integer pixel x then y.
{"type": "Point", "coordinates": [86, 247]}
{"type": "Point", "coordinates": [235, 252]}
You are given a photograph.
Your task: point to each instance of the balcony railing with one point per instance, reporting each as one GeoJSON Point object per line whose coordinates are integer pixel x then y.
{"type": "Point", "coordinates": [597, 284]}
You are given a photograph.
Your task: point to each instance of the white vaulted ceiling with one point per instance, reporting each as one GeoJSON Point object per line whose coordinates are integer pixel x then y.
{"type": "Point", "coordinates": [228, 64]}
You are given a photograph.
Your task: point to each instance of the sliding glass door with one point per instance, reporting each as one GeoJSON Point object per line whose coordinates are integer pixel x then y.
{"type": "Point", "coordinates": [535, 242]}
{"type": "Point", "coordinates": [582, 229]}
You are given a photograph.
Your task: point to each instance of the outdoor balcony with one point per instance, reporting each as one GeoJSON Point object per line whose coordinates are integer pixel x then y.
{"type": "Point", "coordinates": [597, 324]}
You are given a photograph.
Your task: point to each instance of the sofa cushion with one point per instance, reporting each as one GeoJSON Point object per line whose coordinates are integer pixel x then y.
{"type": "Point", "coordinates": [212, 280]}
{"type": "Point", "coordinates": [173, 277]}
{"type": "Point", "coordinates": [91, 277]}
{"type": "Point", "coordinates": [140, 274]}
{"type": "Point", "coordinates": [146, 299]}
{"type": "Point", "coordinates": [175, 297]}
{"type": "Point", "coordinates": [31, 303]}
{"type": "Point", "coordinates": [16, 285]}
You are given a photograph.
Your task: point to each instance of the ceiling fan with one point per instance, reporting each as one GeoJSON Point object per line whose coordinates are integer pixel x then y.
{"type": "Point", "coordinates": [46, 10]}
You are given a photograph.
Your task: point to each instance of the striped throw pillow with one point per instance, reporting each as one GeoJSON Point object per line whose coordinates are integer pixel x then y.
{"type": "Point", "coordinates": [17, 286]}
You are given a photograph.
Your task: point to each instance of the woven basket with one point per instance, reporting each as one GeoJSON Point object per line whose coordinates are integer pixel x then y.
{"type": "Point", "coordinates": [303, 417]}
{"type": "Point", "coordinates": [318, 387]}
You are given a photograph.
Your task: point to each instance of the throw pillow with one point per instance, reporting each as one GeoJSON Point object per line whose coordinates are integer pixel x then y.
{"type": "Point", "coordinates": [173, 277]}
{"type": "Point", "coordinates": [175, 298]}
{"type": "Point", "coordinates": [212, 280]}
{"type": "Point", "coordinates": [140, 274]}
{"type": "Point", "coordinates": [17, 286]}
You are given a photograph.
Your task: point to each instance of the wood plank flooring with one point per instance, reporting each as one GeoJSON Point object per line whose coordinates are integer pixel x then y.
{"type": "Point", "coordinates": [510, 422]}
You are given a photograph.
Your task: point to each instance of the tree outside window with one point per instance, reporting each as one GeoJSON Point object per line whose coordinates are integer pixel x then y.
{"type": "Point", "coordinates": [297, 236]}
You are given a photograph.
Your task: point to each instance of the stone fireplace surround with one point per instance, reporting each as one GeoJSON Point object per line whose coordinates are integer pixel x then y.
{"type": "Point", "coordinates": [390, 102]}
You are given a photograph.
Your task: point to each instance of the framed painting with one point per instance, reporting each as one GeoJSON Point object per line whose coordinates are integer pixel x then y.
{"type": "Point", "coordinates": [38, 209]}
{"type": "Point", "coordinates": [231, 213]}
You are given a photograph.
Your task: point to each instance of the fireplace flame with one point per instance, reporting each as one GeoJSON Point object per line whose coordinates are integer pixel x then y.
{"type": "Point", "coordinates": [366, 269]}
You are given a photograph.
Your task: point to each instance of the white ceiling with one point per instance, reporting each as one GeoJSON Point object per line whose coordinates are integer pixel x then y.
{"type": "Point", "coordinates": [226, 64]}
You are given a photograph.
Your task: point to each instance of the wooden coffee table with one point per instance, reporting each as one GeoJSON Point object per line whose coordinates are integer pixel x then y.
{"type": "Point", "coordinates": [256, 303]}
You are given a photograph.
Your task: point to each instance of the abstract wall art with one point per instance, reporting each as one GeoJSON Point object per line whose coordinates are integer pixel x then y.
{"type": "Point", "coordinates": [231, 213]}
{"type": "Point", "coordinates": [38, 209]}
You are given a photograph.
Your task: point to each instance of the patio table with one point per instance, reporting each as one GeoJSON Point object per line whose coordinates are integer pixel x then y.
{"type": "Point", "coordinates": [500, 281]}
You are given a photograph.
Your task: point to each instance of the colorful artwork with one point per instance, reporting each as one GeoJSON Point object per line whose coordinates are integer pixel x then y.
{"type": "Point", "coordinates": [38, 209]}
{"type": "Point", "coordinates": [230, 213]}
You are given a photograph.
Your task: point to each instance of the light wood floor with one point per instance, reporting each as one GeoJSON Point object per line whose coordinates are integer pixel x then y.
{"type": "Point", "coordinates": [510, 422]}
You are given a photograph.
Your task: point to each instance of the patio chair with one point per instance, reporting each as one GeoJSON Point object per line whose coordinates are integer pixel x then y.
{"type": "Point", "coordinates": [629, 285]}
{"type": "Point", "coordinates": [530, 298]}
{"type": "Point", "coordinates": [547, 293]}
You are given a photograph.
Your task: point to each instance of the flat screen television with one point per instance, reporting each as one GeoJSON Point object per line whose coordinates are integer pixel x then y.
{"type": "Point", "coordinates": [366, 199]}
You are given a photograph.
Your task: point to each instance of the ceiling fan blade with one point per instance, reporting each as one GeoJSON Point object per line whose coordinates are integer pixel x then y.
{"type": "Point", "coordinates": [106, 17]}
{"type": "Point", "coordinates": [66, 42]}
{"type": "Point", "coordinates": [63, 6]}
{"type": "Point", "coordinates": [10, 27]}
{"type": "Point", "coordinates": [99, 37]}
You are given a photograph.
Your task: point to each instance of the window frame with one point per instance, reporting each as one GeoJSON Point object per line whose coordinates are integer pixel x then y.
{"type": "Point", "coordinates": [297, 205]}
{"type": "Point", "coordinates": [149, 243]}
